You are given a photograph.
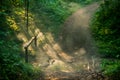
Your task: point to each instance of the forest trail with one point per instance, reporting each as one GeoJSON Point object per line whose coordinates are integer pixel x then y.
{"type": "Point", "coordinates": [75, 49]}
{"type": "Point", "coordinates": [74, 55]}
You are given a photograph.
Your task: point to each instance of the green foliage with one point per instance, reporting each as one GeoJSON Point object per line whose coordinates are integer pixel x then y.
{"type": "Point", "coordinates": [53, 13]}
{"type": "Point", "coordinates": [106, 28]}
{"type": "Point", "coordinates": [82, 2]}
{"type": "Point", "coordinates": [12, 66]}
{"type": "Point", "coordinates": [111, 68]}
{"type": "Point", "coordinates": [55, 9]}
{"type": "Point", "coordinates": [8, 5]}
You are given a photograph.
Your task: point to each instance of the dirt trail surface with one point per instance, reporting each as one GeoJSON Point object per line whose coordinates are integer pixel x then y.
{"type": "Point", "coordinates": [83, 75]}
{"type": "Point", "coordinates": [73, 56]}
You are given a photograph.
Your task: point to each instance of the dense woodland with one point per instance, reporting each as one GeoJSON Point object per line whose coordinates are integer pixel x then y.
{"type": "Point", "coordinates": [104, 27]}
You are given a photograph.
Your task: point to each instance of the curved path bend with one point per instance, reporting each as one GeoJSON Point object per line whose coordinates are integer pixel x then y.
{"type": "Point", "coordinates": [74, 56]}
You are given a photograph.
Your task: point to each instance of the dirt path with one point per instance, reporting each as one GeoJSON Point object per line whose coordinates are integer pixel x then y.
{"type": "Point", "coordinates": [83, 75]}
{"type": "Point", "coordinates": [74, 56]}
{"type": "Point", "coordinates": [76, 50]}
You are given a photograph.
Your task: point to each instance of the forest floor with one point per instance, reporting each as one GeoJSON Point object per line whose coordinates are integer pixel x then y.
{"type": "Point", "coordinates": [73, 56]}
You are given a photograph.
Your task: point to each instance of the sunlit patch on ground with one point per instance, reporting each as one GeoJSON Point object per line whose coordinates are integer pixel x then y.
{"type": "Point", "coordinates": [51, 56]}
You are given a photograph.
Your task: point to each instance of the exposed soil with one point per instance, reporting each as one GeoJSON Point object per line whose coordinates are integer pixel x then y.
{"type": "Point", "coordinates": [74, 55]}
{"type": "Point", "coordinates": [83, 75]}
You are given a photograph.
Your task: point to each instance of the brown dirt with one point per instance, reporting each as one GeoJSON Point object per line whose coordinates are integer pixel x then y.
{"type": "Point", "coordinates": [74, 56]}
{"type": "Point", "coordinates": [83, 75]}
